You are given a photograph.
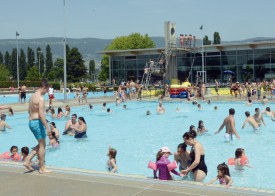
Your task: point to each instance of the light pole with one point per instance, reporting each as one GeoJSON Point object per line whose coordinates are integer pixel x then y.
{"type": "Point", "coordinates": [65, 59]}
{"type": "Point", "coordinates": [202, 55]}
{"type": "Point", "coordinates": [17, 63]}
{"type": "Point", "coordinates": [39, 52]}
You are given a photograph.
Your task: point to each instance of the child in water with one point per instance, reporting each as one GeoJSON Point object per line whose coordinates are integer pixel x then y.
{"type": "Point", "coordinates": [24, 152]}
{"type": "Point", "coordinates": [223, 176]}
{"type": "Point", "coordinates": [111, 163]}
{"type": "Point", "coordinates": [162, 162]}
{"type": "Point", "coordinates": [53, 140]}
{"type": "Point", "coordinates": [240, 159]}
{"type": "Point", "coordinates": [201, 129]}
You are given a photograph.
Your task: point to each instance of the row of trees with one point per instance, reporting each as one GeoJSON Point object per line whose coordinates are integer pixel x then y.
{"type": "Point", "coordinates": [217, 39]}
{"type": "Point", "coordinates": [30, 70]}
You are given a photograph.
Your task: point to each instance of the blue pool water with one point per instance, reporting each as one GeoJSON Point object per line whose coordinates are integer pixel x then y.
{"type": "Point", "coordinates": [13, 98]}
{"type": "Point", "coordinates": [138, 138]}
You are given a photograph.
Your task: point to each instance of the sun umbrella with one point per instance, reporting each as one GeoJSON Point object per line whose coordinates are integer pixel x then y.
{"type": "Point", "coordinates": [228, 72]}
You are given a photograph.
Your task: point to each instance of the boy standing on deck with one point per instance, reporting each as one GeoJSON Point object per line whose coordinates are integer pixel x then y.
{"type": "Point", "coordinates": [37, 124]}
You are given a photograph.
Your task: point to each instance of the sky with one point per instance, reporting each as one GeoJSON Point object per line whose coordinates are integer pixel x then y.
{"type": "Point", "coordinates": [107, 19]}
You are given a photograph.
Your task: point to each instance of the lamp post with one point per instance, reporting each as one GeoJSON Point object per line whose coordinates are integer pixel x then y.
{"type": "Point", "coordinates": [39, 52]}
{"type": "Point", "coordinates": [17, 62]}
{"type": "Point", "coordinates": [202, 54]}
{"type": "Point", "coordinates": [65, 53]}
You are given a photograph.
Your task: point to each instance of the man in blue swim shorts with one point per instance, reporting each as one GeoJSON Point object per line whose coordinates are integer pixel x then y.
{"type": "Point", "coordinates": [38, 125]}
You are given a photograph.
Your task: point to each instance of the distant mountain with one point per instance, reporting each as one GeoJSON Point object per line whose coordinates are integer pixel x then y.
{"type": "Point", "coordinates": [87, 46]}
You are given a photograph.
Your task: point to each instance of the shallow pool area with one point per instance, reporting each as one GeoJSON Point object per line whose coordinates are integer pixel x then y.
{"type": "Point", "coordinates": [13, 98]}
{"type": "Point", "coordinates": [138, 138]}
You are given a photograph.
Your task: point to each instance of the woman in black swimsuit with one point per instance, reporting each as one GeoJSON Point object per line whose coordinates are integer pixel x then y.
{"type": "Point", "coordinates": [198, 165]}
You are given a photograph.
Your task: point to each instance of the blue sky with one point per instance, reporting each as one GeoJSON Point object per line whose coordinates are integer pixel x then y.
{"type": "Point", "coordinates": [233, 19]}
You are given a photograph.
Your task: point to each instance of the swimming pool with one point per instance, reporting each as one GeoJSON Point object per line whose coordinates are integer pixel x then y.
{"type": "Point", "coordinates": [138, 137]}
{"type": "Point", "coordinates": [13, 98]}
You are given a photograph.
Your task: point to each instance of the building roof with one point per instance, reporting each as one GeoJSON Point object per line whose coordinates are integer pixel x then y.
{"type": "Point", "coordinates": [207, 48]}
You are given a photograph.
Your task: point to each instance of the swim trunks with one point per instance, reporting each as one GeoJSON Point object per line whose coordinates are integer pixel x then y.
{"type": "Point", "coordinates": [80, 135]}
{"type": "Point", "coordinates": [23, 95]}
{"type": "Point", "coordinates": [51, 96]}
{"type": "Point", "coordinates": [229, 137]}
{"type": "Point", "coordinates": [38, 129]}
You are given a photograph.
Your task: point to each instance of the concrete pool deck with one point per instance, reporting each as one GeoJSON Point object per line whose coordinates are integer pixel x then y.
{"type": "Point", "coordinates": [15, 181]}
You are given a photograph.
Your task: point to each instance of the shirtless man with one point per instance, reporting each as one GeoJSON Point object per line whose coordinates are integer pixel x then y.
{"type": "Point", "coordinates": [258, 117]}
{"type": "Point", "coordinates": [37, 124]}
{"type": "Point", "coordinates": [69, 123]}
{"type": "Point", "coordinates": [3, 124]}
{"type": "Point", "coordinates": [160, 108]}
{"type": "Point", "coordinates": [251, 121]}
{"type": "Point", "coordinates": [23, 93]}
{"type": "Point", "coordinates": [229, 124]}
{"type": "Point", "coordinates": [248, 89]}
{"type": "Point", "coordinates": [132, 90]}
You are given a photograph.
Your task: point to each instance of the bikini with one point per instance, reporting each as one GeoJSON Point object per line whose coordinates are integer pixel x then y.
{"type": "Point", "coordinates": [222, 181]}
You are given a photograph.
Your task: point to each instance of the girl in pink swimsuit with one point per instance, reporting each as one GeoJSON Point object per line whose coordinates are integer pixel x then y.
{"type": "Point", "coordinates": [223, 176]}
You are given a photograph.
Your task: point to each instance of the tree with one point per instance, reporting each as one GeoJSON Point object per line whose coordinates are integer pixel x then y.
{"type": "Point", "coordinates": [13, 63]}
{"type": "Point", "coordinates": [132, 41]}
{"type": "Point", "coordinates": [76, 70]}
{"type": "Point", "coordinates": [206, 41]}
{"type": "Point", "coordinates": [23, 65]}
{"type": "Point", "coordinates": [31, 58]}
{"type": "Point", "coordinates": [33, 74]}
{"type": "Point", "coordinates": [4, 73]}
{"type": "Point", "coordinates": [1, 58]}
{"type": "Point", "coordinates": [7, 61]}
{"type": "Point", "coordinates": [57, 73]}
{"type": "Point", "coordinates": [49, 59]}
{"type": "Point", "coordinates": [91, 68]}
{"type": "Point", "coordinates": [217, 38]}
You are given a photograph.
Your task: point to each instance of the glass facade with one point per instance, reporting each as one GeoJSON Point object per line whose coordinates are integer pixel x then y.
{"type": "Point", "coordinates": [247, 64]}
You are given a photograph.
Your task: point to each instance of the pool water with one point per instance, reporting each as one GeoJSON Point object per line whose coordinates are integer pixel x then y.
{"type": "Point", "coordinates": [138, 138]}
{"type": "Point", "coordinates": [13, 98]}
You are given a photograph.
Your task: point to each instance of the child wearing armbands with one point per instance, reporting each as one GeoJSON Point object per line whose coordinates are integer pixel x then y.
{"type": "Point", "coordinates": [14, 154]}
{"type": "Point", "coordinates": [240, 159]}
{"type": "Point", "coordinates": [164, 166]}
{"type": "Point", "coordinates": [223, 176]}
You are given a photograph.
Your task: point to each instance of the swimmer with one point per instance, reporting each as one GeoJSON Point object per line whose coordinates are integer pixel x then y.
{"type": "Point", "coordinates": [251, 121]}
{"type": "Point", "coordinates": [54, 129]}
{"type": "Point", "coordinates": [103, 106]}
{"type": "Point", "coordinates": [68, 111]}
{"type": "Point", "coordinates": [208, 102]}
{"type": "Point", "coordinates": [216, 108]}
{"type": "Point", "coordinates": [182, 156]}
{"type": "Point", "coordinates": [160, 108]}
{"type": "Point", "coordinates": [111, 163]}
{"type": "Point", "coordinates": [229, 123]}
{"type": "Point", "coordinates": [239, 154]}
{"type": "Point", "coordinates": [223, 176]}
{"type": "Point", "coordinates": [109, 111]}
{"type": "Point", "coordinates": [60, 113]}
{"type": "Point", "coordinates": [68, 129]}
{"type": "Point", "coordinates": [124, 107]}
{"type": "Point", "coordinates": [201, 129]}
{"type": "Point", "coordinates": [80, 129]}
{"type": "Point", "coordinates": [265, 100]}
{"type": "Point", "coordinates": [24, 152]}
{"type": "Point", "coordinates": [148, 112]}
{"type": "Point", "coordinates": [10, 111]}
{"type": "Point", "coordinates": [14, 153]}
{"type": "Point", "coordinates": [3, 124]}
{"type": "Point", "coordinates": [199, 107]}
{"type": "Point", "coordinates": [53, 113]}
{"type": "Point", "coordinates": [54, 142]}
{"type": "Point", "coordinates": [91, 106]}
{"type": "Point", "coordinates": [258, 117]}
{"type": "Point", "coordinates": [267, 111]}
{"type": "Point", "coordinates": [249, 103]}
{"type": "Point", "coordinates": [192, 128]}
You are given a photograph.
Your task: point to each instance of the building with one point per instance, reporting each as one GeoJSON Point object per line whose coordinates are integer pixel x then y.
{"type": "Point", "coordinates": [247, 61]}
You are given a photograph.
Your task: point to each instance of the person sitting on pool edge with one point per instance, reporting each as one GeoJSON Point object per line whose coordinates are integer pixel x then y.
{"type": "Point", "coordinates": [80, 129]}
{"type": "Point", "coordinates": [68, 129]}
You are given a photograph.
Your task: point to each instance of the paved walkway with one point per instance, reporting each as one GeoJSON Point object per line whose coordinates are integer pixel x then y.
{"type": "Point", "coordinates": [14, 181]}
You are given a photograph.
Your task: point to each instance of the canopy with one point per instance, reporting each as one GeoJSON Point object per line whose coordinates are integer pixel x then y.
{"type": "Point", "coordinates": [228, 72]}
